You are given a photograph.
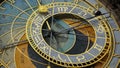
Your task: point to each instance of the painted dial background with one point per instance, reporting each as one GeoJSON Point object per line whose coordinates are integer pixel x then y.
{"type": "Point", "coordinates": [12, 29]}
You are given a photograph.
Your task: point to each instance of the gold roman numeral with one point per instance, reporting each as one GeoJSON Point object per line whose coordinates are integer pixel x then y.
{"type": "Point", "coordinates": [98, 47]}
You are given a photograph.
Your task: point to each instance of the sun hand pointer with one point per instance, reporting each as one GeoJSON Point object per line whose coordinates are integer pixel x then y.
{"type": "Point", "coordinates": [48, 25]}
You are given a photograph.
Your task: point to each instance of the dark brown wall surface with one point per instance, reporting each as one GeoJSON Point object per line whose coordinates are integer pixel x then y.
{"type": "Point", "coordinates": [114, 7]}
{"type": "Point", "coordinates": [1, 1]}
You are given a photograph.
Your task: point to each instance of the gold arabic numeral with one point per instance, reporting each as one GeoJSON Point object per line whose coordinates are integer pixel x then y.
{"type": "Point", "coordinates": [98, 47]}
{"type": "Point", "coordinates": [80, 58]}
{"type": "Point", "coordinates": [62, 9]}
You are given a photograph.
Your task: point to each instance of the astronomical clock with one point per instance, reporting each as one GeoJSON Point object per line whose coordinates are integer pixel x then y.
{"type": "Point", "coordinates": [58, 34]}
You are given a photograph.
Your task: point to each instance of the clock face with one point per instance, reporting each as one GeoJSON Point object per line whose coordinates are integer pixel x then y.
{"type": "Point", "coordinates": [58, 34]}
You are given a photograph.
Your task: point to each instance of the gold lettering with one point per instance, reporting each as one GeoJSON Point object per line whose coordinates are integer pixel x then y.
{"type": "Point", "coordinates": [82, 13]}
{"type": "Point", "coordinates": [35, 32]}
{"type": "Point", "coordinates": [62, 9]}
{"type": "Point", "coordinates": [90, 54]}
{"type": "Point", "coordinates": [98, 47]}
{"type": "Point", "coordinates": [44, 47]}
{"type": "Point", "coordinates": [81, 58]}
{"type": "Point", "coordinates": [61, 58]}
{"type": "Point", "coordinates": [37, 39]}
{"type": "Point", "coordinates": [100, 28]}
{"type": "Point", "coordinates": [89, 9]}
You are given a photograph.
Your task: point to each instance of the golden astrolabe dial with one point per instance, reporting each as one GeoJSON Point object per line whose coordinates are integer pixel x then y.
{"type": "Point", "coordinates": [62, 35]}
{"type": "Point", "coordinates": [58, 34]}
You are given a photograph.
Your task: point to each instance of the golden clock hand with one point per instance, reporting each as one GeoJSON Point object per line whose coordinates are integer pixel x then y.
{"type": "Point", "coordinates": [48, 25]}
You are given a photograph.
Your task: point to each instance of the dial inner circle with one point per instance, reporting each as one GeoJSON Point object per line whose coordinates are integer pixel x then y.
{"type": "Point", "coordinates": [68, 33]}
